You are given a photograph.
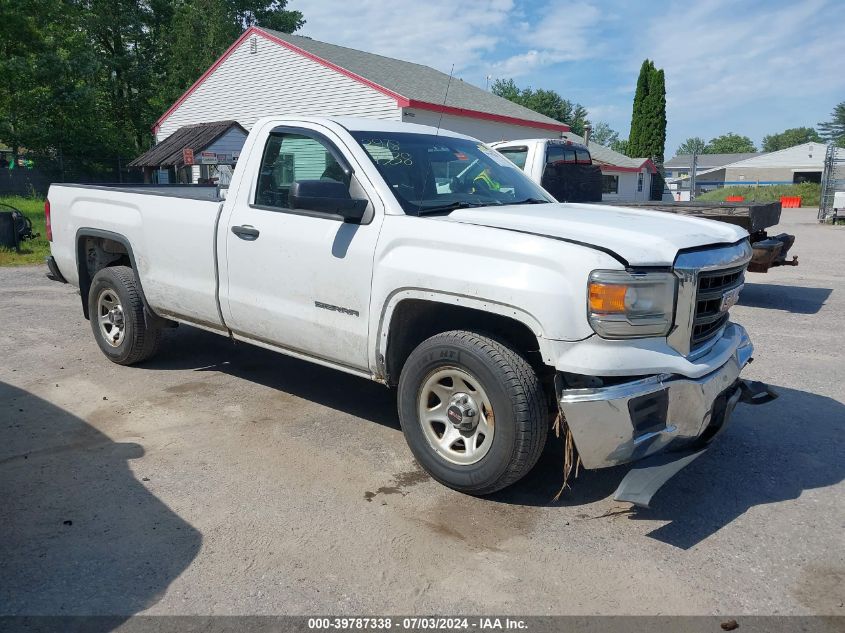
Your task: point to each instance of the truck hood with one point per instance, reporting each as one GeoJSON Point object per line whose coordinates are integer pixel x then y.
{"type": "Point", "coordinates": [639, 237]}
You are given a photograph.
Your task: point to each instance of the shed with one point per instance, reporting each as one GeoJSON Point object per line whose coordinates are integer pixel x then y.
{"type": "Point", "coordinates": [194, 153]}
{"type": "Point", "coordinates": [266, 72]}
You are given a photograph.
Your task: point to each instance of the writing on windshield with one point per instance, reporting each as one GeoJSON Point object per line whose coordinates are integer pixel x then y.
{"type": "Point", "coordinates": [427, 172]}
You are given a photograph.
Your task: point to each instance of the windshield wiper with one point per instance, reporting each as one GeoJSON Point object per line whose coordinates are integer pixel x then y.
{"type": "Point", "coordinates": [452, 206]}
{"type": "Point", "coordinates": [530, 201]}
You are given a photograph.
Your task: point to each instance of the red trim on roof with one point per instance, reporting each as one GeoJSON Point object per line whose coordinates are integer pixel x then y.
{"type": "Point", "coordinates": [477, 114]}
{"type": "Point", "coordinates": [647, 164]}
{"type": "Point", "coordinates": [401, 101]}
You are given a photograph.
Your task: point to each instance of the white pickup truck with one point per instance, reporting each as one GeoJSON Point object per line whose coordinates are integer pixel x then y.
{"type": "Point", "coordinates": [381, 249]}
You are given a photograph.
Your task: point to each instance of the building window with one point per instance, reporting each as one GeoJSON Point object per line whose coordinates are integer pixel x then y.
{"type": "Point", "coordinates": [640, 179]}
{"type": "Point", "coordinates": [609, 184]}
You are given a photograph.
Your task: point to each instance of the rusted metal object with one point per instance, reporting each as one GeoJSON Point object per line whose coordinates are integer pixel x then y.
{"type": "Point", "coordinates": [769, 252]}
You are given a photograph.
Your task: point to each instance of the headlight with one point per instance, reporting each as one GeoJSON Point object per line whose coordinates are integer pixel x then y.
{"type": "Point", "coordinates": [630, 305]}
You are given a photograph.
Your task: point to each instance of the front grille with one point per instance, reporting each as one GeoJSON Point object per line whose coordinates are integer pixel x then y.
{"type": "Point", "coordinates": [712, 286]}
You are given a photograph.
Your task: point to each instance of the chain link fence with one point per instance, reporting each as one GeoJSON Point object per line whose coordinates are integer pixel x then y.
{"type": "Point", "coordinates": [32, 175]}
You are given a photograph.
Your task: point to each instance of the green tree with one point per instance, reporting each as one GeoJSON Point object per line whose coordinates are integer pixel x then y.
{"type": "Point", "coordinates": [603, 134]}
{"type": "Point", "coordinates": [790, 138]}
{"type": "Point", "coordinates": [693, 145]}
{"type": "Point", "coordinates": [47, 102]}
{"type": "Point", "coordinates": [271, 14]}
{"type": "Point", "coordinates": [87, 78]}
{"type": "Point", "coordinates": [507, 89]}
{"type": "Point", "coordinates": [834, 130]}
{"type": "Point", "coordinates": [648, 120]}
{"type": "Point", "coordinates": [199, 32]}
{"type": "Point", "coordinates": [620, 146]}
{"type": "Point", "coordinates": [546, 102]}
{"type": "Point", "coordinates": [730, 143]}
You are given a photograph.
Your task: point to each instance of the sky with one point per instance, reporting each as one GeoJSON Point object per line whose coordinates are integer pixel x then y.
{"type": "Point", "coordinates": [751, 67]}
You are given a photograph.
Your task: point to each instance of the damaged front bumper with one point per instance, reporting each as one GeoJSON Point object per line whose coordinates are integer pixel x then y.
{"type": "Point", "coordinates": [668, 416]}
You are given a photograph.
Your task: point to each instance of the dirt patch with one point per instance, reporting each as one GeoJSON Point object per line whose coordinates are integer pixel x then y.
{"type": "Point", "coordinates": [822, 589]}
{"type": "Point", "coordinates": [480, 524]}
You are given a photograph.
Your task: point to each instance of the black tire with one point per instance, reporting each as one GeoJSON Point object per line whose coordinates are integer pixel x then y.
{"type": "Point", "coordinates": [140, 340]}
{"type": "Point", "coordinates": [516, 396]}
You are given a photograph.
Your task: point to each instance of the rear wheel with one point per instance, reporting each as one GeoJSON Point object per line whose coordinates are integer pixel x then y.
{"type": "Point", "coordinates": [116, 311]}
{"type": "Point", "coordinates": [472, 411]}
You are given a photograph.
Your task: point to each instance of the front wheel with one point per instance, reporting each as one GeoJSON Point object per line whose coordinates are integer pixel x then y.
{"type": "Point", "coordinates": [116, 311]}
{"type": "Point", "coordinates": [472, 411]}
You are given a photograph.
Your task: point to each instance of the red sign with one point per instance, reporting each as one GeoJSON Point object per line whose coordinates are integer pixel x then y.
{"type": "Point", "coordinates": [188, 156]}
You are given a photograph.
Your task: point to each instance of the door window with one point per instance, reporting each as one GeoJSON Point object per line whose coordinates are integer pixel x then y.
{"type": "Point", "coordinates": [516, 155]}
{"type": "Point", "coordinates": [290, 157]}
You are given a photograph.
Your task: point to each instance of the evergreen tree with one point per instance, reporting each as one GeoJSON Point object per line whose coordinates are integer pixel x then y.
{"type": "Point", "coordinates": [657, 110]}
{"type": "Point", "coordinates": [648, 119]}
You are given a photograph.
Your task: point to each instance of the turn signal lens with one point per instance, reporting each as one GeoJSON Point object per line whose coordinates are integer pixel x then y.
{"type": "Point", "coordinates": [607, 298]}
{"type": "Point", "coordinates": [623, 304]}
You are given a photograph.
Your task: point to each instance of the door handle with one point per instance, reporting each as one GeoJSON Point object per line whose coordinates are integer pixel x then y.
{"type": "Point", "coordinates": [246, 232]}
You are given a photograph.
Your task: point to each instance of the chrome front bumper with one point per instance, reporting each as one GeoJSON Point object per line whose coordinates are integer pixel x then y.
{"type": "Point", "coordinates": [628, 421]}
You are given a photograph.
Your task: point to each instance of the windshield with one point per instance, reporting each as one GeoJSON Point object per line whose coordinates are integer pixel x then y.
{"type": "Point", "coordinates": [431, 174]}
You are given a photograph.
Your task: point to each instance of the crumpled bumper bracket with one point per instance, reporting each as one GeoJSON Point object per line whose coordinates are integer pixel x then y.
{"type": "Point", "coordinates": [648, 475]}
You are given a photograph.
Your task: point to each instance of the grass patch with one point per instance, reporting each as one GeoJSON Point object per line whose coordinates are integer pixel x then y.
{"type": "Point", "coordinates": [809, 192]}
{"type": "Point", "coordinates": [30, 251]}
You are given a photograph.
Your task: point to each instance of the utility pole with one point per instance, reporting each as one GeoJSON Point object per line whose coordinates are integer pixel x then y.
{"type": "Point", "coordinates": [692, 174]}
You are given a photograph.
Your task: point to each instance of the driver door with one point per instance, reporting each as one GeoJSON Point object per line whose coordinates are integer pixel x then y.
{"type": "Point", "coordinates": [300, 279]}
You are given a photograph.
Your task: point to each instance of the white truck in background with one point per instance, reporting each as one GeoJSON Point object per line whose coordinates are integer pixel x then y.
{"type": "Point", "coordinates": [379, 249]}
{"type": "Point", "coordinates": [563, 168]}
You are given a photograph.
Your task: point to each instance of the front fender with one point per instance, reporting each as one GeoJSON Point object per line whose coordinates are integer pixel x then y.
{"type": "Point", "coordinates": [538, 281]}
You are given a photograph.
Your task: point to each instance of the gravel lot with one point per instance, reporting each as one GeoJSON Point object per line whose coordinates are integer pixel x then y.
{"type": "Point", "coordinates": [222, 479]}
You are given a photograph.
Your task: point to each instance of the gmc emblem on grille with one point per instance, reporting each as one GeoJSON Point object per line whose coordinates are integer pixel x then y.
{"type": "Point", "coordinates": [730, 298]}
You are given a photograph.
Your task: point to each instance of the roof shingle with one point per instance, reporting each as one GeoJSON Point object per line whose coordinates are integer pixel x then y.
{"type": "Point", "coordinates": [707, 161]}
{"type": "Point", "coordinates": [197, 137]}
{"type": "Point", "coordinates": [412, 81]}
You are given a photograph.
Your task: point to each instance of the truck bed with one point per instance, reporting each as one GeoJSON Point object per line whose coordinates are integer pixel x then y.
{"type": "Point", "coordinates": [172, 229]}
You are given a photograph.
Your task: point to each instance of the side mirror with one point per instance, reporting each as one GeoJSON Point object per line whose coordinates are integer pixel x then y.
{"type": "Point", "coordinates": [327, 196]}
